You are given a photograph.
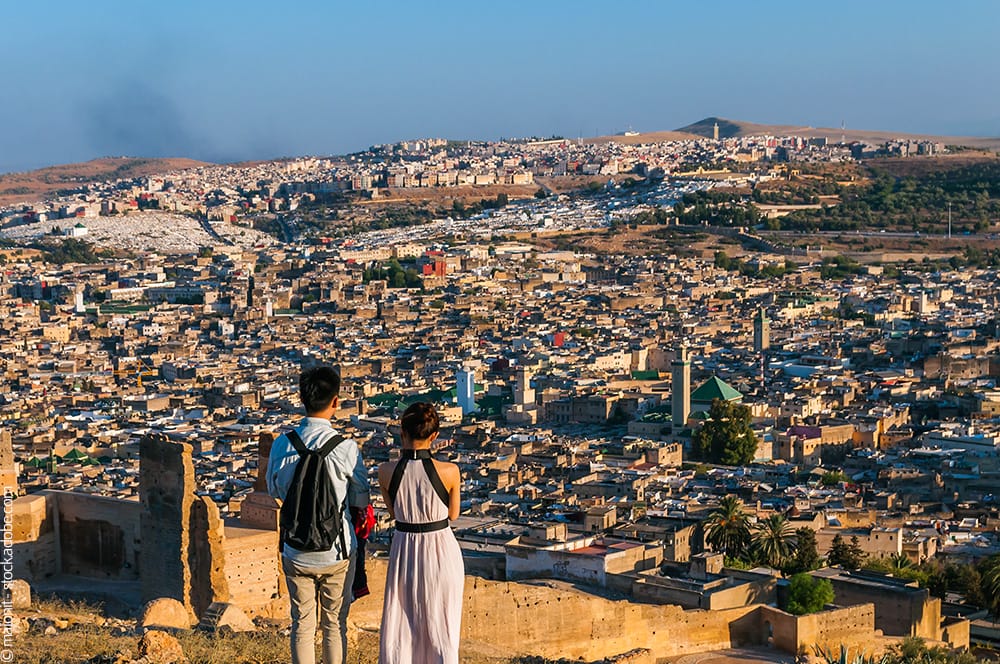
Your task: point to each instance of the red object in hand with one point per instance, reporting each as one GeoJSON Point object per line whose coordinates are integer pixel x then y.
{"type": "Point", "coordinates": [363, 519]}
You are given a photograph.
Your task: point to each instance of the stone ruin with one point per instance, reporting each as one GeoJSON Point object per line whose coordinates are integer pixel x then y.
{"type": "Point", "coordinates": [171, 543]}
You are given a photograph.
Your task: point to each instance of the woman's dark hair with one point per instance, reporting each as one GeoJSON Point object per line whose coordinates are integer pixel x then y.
{"type": "Point", "coordinates": [419, 421]}
{"type": "Point", "coordinates": [317, 388]}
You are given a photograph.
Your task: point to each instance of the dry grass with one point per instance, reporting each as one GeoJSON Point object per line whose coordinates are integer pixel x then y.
{"type": "Point", "coordinates": [87, 638]}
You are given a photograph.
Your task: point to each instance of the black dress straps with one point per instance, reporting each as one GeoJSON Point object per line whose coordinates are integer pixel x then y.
{"type": "Point", "coordinates": [427, 461]}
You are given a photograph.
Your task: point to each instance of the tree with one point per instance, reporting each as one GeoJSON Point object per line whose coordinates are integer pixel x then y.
{"type": "Point", "coordinates": [540, 194]}
{"type": "Point", "coordinates": [838, 552]}
{"type": "Point", "coordinates": [856, 556]}
{"type": "Point", "coordinates": [806, 557]}
{"type": "Point", "coordinates": [848, 556]}
{"type": "Point", "coordinates": [726, 437]}
{"type": "Point", "coordinates": [727, 528]}
{"type": "Point", "coordinates": [990, 571]}
{"type": "Point", "coordinates": [808, 594]}
{"type": "Point", "coordinates": [833, 478]}
{"type": "Point", "coordinates": [772, 540]}
{"type": "Point", "coordinates": [899, 562]}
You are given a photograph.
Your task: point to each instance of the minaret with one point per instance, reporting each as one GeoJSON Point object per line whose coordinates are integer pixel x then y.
{"type": "Point", "coordinates": [761, 332]}
{"type": "Point", "coordinates": [680, 388]}
{"type": "Point", "coordinates": [715, 132]}
{"type": "Point", "coordinates": [524, 395]}
{"type": "Point", "coordinates": [465, 384]}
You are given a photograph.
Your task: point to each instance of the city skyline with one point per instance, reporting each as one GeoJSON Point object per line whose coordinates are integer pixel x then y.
{"type": "Point", "coordinates": [222, 85]}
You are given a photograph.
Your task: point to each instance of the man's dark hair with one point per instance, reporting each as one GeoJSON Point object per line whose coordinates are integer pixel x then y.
{"type": "Point", "coordinates": [317, 388]}
{"type": "Point", "coordinates": [419, 421]}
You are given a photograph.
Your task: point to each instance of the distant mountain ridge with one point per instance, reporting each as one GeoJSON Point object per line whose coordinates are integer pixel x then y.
{"type": "Point", "coordinates": [48, 182]}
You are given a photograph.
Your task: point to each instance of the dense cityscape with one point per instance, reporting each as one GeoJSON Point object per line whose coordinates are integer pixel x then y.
{"type": "Point", "coordinates": [691, 422]}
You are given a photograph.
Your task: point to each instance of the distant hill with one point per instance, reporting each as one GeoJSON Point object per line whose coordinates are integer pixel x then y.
{"type": "Point", "coordinates": [647, 137]}
{"type": "Point", "coordinates": [737, 128]}
{"type": "Point", "coordinates": [48, 182]}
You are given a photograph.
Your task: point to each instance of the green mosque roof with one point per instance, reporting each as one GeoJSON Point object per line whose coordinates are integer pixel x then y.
{"type": "Point", "coordinates": [715, 388]}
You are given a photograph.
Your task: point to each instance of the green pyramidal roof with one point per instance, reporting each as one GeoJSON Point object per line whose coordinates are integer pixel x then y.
{"type": "Point", "coordinates": [715, 388]}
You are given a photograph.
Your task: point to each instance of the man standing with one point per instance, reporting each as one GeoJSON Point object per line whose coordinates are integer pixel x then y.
{"type": "Point", "coordinates": [323, 574]}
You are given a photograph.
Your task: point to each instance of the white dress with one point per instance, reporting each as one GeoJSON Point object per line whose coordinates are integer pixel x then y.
{"type": "Point", "coordinates": [422, 610]}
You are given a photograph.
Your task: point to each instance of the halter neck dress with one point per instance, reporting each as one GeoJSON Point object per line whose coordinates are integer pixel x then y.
{"type": "Point", "coordinates": [425, 581]}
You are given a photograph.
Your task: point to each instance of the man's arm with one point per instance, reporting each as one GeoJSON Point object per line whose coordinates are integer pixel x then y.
{"type": "Point", "coordinates": [274, 465]}
{"type": "Point", "coordinates": [358, 489]}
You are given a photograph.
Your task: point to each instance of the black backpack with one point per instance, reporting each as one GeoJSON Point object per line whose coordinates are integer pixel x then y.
{"type": "Point", "coordinates": [311, 517]}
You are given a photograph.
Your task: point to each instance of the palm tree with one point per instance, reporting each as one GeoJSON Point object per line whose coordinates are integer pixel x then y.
{"type": "Point", "coordinates": [727, 528]}
{"type": "Point", "coordinates": [774, 540]}
{"type": "Point", "coordinates": [898, 562]}
{"type": "Point", "coordinates": [991, 584]}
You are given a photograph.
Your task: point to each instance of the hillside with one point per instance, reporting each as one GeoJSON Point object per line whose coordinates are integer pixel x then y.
{"type": "Point", "coordinates": [45, 183]}
{"type": "Point", "coordinates": [647, 137]}
{"type": "Point", "coordinates": [737, 128]}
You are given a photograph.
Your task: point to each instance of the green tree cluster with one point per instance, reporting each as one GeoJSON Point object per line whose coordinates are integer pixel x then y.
{"type": "Point", "coordinates": [72, 250]}
{"type": "Point", "coordinates": [911, 203]}
{"type": "Point", "coordinates": [715, 209]}
{"type": "Point", "coordinates": [394, 274]}
{"type": "Point", "coordinates": [808, 594]}
{"type": "Point", "coordinates": [723, 261]}
{"type": "Point", "coordinates": [726, 437]}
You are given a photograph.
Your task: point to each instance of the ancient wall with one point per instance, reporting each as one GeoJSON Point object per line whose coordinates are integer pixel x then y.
{"type": "Point", "coordinates": [8, 473]}
{"type": "Point", "coordinates": [98, 536]}
{"type": "Point", "coordinates": [552, 619]}
{"type": "Point", "coordinates": [36, 538]}
{"type": "Point", "coordinates": [206, 556]}
{"type": "Point", "coordinates": [764, 591]}
{"type": "Point", "coordinates": [655, 591]}
{"type": "Point", "coordinates": [850, 626]}
{"type": "Point", "coordinates": [955, 632]}
{"type": "Point", "coordinates": [899, 611]}
{"type": "Point", "coordinates": [166, 491]}
{"type": "Point", "coordinates": [253, 570]}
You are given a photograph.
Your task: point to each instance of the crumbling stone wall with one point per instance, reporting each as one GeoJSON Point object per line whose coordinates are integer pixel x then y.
{"type": "Point", "coordinates": [166, 493]}
{"type": "Point", "coordinates": [552, 619]}
{"type": "Point", "coordinates": [99, 537]}
{"type": "Point", "coordinates": [206, 556]}
{"type": "Point", "coordinates": [852, 626]}
{"type": "Point", "coordinates": [62, 532]}
{"type": "Point", "coordinates": [8, 474]}
{"type": "Point", "coordinates": [36, 538]}
{"type": "Point", "coordinates": [183, 553]}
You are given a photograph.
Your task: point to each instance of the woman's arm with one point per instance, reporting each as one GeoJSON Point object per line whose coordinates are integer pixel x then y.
{"type": "Point", "coordinates": [384, 477]}
{"type": "Point", "coordinates": [454, 487]}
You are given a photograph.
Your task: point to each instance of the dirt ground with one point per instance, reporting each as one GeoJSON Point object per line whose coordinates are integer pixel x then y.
{"type": "Point", "coordinates": [736, 656]}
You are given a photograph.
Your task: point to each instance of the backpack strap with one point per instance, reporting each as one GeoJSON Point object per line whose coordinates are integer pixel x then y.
{"type": "Point", "coordinates": [428, 462]}
{"type": "Point", "coordinates": [329, 445]}
{"type": "Point", "coordinates": [296, 440]}
{"type": "Point", "coordinates": [300, 447]}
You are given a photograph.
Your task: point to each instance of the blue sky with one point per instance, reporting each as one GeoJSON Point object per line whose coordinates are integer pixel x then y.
{"type": "Point", "coordinates": [223, 81]}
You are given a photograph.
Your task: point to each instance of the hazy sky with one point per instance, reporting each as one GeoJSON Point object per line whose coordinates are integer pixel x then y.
{"type": "Point", "coordinates": [223, 81]}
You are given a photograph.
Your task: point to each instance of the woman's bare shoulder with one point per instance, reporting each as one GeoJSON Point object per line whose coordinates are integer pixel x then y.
{"type": "Point", "coordinates": [446, 467]}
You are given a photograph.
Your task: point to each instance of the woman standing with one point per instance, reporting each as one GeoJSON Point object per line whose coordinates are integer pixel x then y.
{"type": "Point", "coordinates": [422, 612]}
